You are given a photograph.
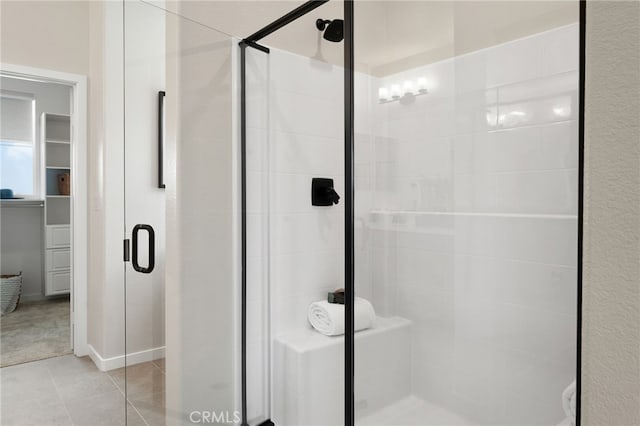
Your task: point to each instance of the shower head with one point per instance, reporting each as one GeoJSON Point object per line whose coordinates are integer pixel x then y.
{"type": "Point", "coordinates": [333, 29]}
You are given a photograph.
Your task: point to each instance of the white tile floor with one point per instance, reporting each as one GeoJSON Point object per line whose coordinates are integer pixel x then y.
{"type": "Point", "coordinates": [71, 391]}
{"type": "Point", "coordinates": [412, 411]}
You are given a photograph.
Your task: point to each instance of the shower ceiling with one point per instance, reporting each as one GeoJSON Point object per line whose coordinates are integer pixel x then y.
{"type": "Point", "coordinates": [390, 35]}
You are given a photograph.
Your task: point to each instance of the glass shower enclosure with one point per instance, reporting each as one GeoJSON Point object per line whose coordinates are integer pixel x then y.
{"type": "Point", "coordinates": [450, 133]}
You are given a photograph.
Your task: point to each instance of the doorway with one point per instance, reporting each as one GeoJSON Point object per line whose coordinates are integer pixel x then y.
{"type": "Point", "coordinates": [43, 214]}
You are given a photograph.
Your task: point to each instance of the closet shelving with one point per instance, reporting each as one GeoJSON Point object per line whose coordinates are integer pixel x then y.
{"type": "Point", "coordinates": [56, 145]}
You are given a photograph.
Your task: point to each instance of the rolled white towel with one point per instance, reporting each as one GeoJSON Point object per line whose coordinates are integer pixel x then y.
{"type": "Point", "coordinates": [328, 318]}
{"type": "Point", "coordinates": [569, 403]}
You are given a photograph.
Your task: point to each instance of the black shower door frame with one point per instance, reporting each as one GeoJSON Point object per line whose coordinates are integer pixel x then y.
{"type": "Point", "coordinates": [349, 162]}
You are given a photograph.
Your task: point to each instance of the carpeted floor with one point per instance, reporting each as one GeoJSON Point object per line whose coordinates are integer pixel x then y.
{"type": "Point", "coordinates": [35, 331]}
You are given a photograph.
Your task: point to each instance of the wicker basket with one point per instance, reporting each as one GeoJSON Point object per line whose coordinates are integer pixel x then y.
{"type": "Point", "coordinates": [10, 289]}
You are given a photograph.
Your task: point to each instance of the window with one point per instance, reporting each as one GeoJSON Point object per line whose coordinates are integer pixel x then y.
{"type": "Point", "coordinates": [19, 169]}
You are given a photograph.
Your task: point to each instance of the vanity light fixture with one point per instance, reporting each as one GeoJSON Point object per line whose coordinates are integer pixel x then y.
{"type": "Point", "coordinates": [395, 91]}
{"type": "Point", "coordinates": [383, 94]}
{"type": "Point", "coordinates": [409, 88]}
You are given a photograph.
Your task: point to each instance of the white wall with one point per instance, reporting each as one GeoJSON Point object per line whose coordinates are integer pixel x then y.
{"type": "Point", "coordinates": [46, 34]}
{"type": "Point", "coordinates": [611, 308]}
{"type": "Point", "coordinates": [97, 136]}
{"type": "Point", "coordinates": [473, 230]}
{"type": "Point", "coordinates": [145, 64]}
{"type": "Point", "coordinates": [106, 217]}
{"type": "Point", "coordinates": [22, 228]}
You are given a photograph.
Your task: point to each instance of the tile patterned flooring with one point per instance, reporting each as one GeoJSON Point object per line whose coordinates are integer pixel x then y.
{"type": "Point", "coordinates": [71, 391]}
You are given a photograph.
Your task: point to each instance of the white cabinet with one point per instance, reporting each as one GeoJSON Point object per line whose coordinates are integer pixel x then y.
{"type": "Point", "coordinates": [58, 259]}
{"type": "Point", "coordinates": [58, 236]}
{"type": "Point", "coordinates": [56, 150]}
{"type": "Point", "coordinates": [58, 282]}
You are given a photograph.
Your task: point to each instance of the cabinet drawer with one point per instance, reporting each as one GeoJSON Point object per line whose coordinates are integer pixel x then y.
{"type": "Point", "coordinates": [58, 236]}
{"type": "Point", "coordinates": [58, 282]}
{"type": "Point", "coordinates": [58, 259]}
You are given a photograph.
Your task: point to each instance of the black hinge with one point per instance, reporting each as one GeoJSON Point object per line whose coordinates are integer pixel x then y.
{"type": "Point", "coordinates": [127, 255]}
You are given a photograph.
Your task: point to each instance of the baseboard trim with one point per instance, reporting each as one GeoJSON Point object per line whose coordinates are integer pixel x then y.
{"type": "Point", "coordinates": [37, 297]}
{"type": "Point", "coordinates": [30, 298]}
{"type": "Point", "coordinates": [107, 364]}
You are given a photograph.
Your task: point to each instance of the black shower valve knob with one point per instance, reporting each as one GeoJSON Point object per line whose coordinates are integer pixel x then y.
{"type": "Point", "coordinates": [323, 193]}
{"type": "Point", "coordinates": [332, 195]}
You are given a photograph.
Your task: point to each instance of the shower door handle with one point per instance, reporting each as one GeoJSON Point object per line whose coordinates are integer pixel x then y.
{"type": "Point", "coordinates": [152, 249]}
{"type": "Point", "coordinates": [161, 138]}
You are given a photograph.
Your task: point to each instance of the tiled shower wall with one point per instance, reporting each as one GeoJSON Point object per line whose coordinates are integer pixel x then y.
{"type": "Point", "coordinates": [469, 229]}
{"type": "Point", "coordinates": [295, 250]}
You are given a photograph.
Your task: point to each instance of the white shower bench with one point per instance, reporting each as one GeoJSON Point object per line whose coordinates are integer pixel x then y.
{"type": "Point", "coordinates": [309, 373]}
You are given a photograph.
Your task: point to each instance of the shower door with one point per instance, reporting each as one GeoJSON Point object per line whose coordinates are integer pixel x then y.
{"type": "Point", "coordinates": [179, 218]}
